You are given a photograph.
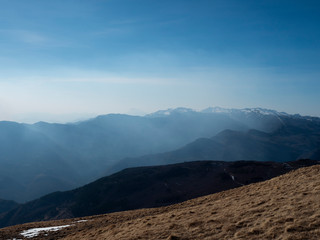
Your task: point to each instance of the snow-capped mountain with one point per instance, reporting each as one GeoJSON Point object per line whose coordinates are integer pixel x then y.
{"type": "Point", "coordinates": [257, 110]}
{"type": "Point", "coordinates": [257, 118]}
{"type": "Point", "coordinates": [230, 111]}
{"type": "Point", "coordinates": [171, 111]}
{"type": "Point", "coordinates": [182, 110]}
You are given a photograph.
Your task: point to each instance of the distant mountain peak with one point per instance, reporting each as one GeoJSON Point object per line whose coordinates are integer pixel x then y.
{"type": "Point", "coordinates": [216, 110]}
{"type": "Point", "coordinates": [171, 111]}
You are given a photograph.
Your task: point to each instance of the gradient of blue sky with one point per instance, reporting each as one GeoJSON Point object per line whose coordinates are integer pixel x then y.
{"type": "Point", "coordinates": [67, 59]}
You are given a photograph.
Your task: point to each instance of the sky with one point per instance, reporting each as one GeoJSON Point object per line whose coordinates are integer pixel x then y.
{"type": "Point", "coordinates": [67, 60]}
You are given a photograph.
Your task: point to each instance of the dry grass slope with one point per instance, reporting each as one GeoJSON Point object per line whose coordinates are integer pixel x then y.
{"type": "Point", "coordinates": [286, 207]}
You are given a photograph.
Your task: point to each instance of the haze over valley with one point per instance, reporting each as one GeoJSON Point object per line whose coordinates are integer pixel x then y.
{"type": "Point", "coordinates": [41, 158]}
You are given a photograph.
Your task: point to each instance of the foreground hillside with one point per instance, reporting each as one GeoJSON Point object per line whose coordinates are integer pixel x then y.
{"type": "Point", "coordinates": [285, 207]}
{"type": "Point", "coordinates": [148, 187]}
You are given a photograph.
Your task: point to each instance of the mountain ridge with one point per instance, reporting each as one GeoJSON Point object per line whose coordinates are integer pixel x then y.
{"type": "Point", "coordinates": [288, 143]}
{"type": "Point", "coordinates": [146, 187]}
{"type": "Point", "coordinates": [285, 207]}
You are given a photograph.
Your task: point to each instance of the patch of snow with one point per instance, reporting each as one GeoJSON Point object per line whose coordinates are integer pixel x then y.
{"type": "Point", "coordinates": [264, 111]}
{"type": "Point", "coordinates": [257, 110]}
{"type": "Point", "coordinates": [80, 221]}
{"type": "Point", "coordinates": [170, 111]}
{"type": "Point", "coordinates": [183, 110]}
{"type": "Point", "coordinates": [34, 232]}
{"type": "Point", "coordinates": [230, 111]}
{"type": "Point", "coordinates": [233, 178]}
{"type": "Point", "coordinates": [216, 110]}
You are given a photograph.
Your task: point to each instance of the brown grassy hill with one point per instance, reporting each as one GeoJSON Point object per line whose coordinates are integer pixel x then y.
{"type": "Point", "coordinates": [285, 207]}
{"type": "Point", "coordinates": [147, 187]}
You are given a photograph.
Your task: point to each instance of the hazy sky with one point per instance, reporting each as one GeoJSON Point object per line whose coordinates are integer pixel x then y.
{"type": "Point", "coordinates": [62, 60]}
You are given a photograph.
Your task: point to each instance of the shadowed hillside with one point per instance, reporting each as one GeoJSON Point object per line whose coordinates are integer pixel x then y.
{"type": "Point", "coordinates": [285, 207]}
{"type": "Point", "coordinates": [6, 205]}
{"type": "Point", "coordinates": [294, 140]}
{"type": "Point", "coordinates": [148, 187]}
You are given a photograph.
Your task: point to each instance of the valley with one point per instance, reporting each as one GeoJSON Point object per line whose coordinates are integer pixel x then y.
{"type": "Point", "coordinates": [37, 159]}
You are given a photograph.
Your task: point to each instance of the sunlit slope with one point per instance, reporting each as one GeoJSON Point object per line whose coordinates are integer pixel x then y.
{"type": "Point", "coordinates": [285, 207]}
{"type": "Point", "coordinates": [146, 187]}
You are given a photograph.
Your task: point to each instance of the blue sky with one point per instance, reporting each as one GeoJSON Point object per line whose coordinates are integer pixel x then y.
{"type": "Point", "coordinates": [65, 60]}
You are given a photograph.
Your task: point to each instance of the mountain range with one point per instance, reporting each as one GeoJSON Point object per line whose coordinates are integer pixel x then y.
{"type": "Point", "coordinates": [295, 138]}
{"type": "Point", "coordinates": [37, 159]}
